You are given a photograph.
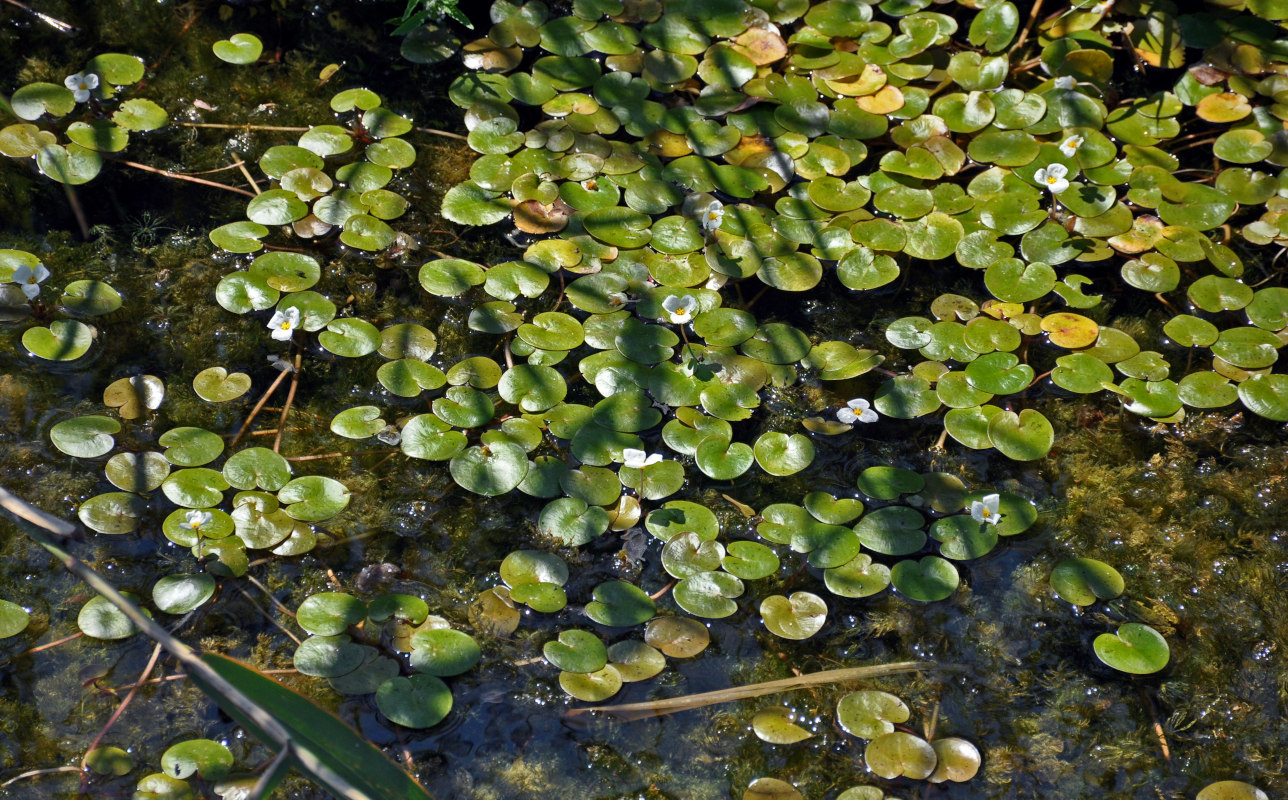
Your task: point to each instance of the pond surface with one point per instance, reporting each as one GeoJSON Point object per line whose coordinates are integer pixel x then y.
{"type": "Point", "coordinates": [1194, 515]}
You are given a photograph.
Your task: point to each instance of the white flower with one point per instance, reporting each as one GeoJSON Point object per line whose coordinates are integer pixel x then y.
{"type": "Point", "coordinates": [986, 510]}
{"type": "Point", "coordinates": [283, 323]}
{"type": "Point", "coordinates": [196, 519]}
{"type": "Point", "coordinates": [680, 308]}
{"type": "Point", "coordinates": [1052, 177]}
{"type": "Point", "coordinates": [864, 409]}
{"type": "Point", "coordinates": [81, 83]}
{"type": "Point", "coordinates": [1070, 145]}
{"type": "Point", "coordinates": [638, 459]}
{"type": "Point", "coordinates": [29, 279]}
{"type": "Point", "coordinates": [1064, 82]}
{"type": "Point", "coordinates": [713, 216]}
{"type": "Point", "coordinates": [1102, 7]}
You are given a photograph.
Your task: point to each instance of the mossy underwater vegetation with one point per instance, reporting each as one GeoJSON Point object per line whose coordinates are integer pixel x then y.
{"type": "Point", "coordinates": [623, 350]}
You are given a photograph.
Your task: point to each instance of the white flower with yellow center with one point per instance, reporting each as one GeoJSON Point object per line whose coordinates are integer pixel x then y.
{"type": "Point", "coordinates": [196, 519]}
{"type": "Point", "coordinates": [680, 308]}
{"type": "Point", "coordinates": [284, 323]}
{"type": "Point", "coordinates": [1052, 177]}
{"type": "Point", "coordinates": [863, 409]}
{"type": "Point", "coordinates": [712, 216]}
{"type": "Point", "coordinates": [638, 459]}
{"type": "Point", "coordinates": [1065, 82]}
{"type": "Point", "coordinates": [987, 509]}
{"type": "Point", "coordinates": [81, 84]}
{"type": "Point", "coordinates": [1102, 7]}
{"type": "Point", "coordinates": [1070, 145]}
{"type": "Point", "coordinates": [30, 279]}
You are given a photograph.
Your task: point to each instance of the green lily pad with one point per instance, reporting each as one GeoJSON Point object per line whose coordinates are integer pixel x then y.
{"type": "Point", "coordinates": [85, 437]}
{"type": "Point", "coordinates": [216, 385]}
{"type": "Point", "coordinates": [775, 725]}
{"type": "Point", "coordinates": [239, 237]}
{"type": "Point", "coordinates": [140, 114]}
{"type": "Point", "coordinates": [63, 340]}
{"type": "Point", "coordinates": [576, 651]}
{"type": "Point", "coordinates": [1023, 437]}
{"type": "Point", "coordinates": [359, 422]}
{"type": "Point", "coordinates": [257, 467]}
{"type": "Point", "coordinates": [102, 620]}
{"type": "Point", "coordinates": [893, 531]}
{"type": "Point", "coordinates": [930, 579]}
{"type": "Point", "coordinates": [420, 701]}
{"type": "Point", "coordinates": [179, 594]}
{"type": "Point", "coordinates": [1231, 790]}
{"type": "Point", "coordinates": [620, 604]}
{"type": "Point", "coordinates": [490, 470]}
{"type": "Point", "coordinates": [198, 487]}
{"type": "Point", "coordinates": [572, 521]}
{"type": "Point", "coordinates": [678, 516]}
{"type": "Point", "coordinates": [870, 714]}
{"type": "Point", "coordinates": [137, 472]}
{"type": "Point", "coordinates": [1137, 649]}
{"type": "Point", "coordinates": [1083, 581]}
{"type": "Point", "coordinates": [330, 613]}
{"type": "Point", "coordinates": [113, 512]}
{"type": "Point", "coordinates": [887, 483]}
{"type": "Point", "coordinates": [797, 617]}
{"type": "Point", "coordinates": [1266, 396]}
{"type": "Point", "coordinates": [906, 397]}
{"type": "Point", "coordinates": [313, 498]}
{"type": "Point", "coordinates": [443, 652]}
{"type": "Point", "coordinates": [708, 594]}
{"type": "Point", "coordinates": [240, 48]}
{"type": "Point", "coordinates": [858, 577]}
{"type": "Point", "coordinates": [533, 566]}
{"type": "Point", "coordinates": [33, 100]}
{"type": "Point", "coordinates": [780, 454]}
{"type": "Point", "coordinates": [900, 754]}
{"type": "Point", "coordinates": [100, 134]}
{"type": "Point", "coordinates": [959, 760]}
{"type": "Point", "coordinates": [90, 298]}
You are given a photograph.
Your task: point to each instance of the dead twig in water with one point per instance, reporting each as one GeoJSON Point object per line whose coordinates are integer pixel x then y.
{"type": "Point", "coordinates": [628, 712]}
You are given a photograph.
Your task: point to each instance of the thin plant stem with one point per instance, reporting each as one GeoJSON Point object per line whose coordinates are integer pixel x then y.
{"type": "Point", "coordinates": [660, 592]}
{"type": "Point", "coordinates": [181, 177]}
{"type": "Point", "coordinates": [268, 616]}
{"type": "Point", "coordinates": [325, 456]}
{"type": "Point", "coordinates": [628, 712]}
{"type": "Point", "coordinates": [281, 376]}
{"type": "Point", "coordinates": [1024, 34]}
{"type": "Point", "coordinates": [53, 22]}
{"type": "Point", "coordinates": [77, 211]}
{"type": "Point", "coordinates": [120, 709]}
{"type": "Point", "coordinates": [52, 645]}
{"type": "Point", "coordinates": [36, 773]}
{"type": "Point", "coordinates": [437, 132]}
{"type": "Point", "coordinates": [286, 409]}
{"type": "Point", "coordinates": [241, 165]}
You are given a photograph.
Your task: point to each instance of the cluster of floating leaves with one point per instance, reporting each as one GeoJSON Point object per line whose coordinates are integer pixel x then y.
{"type": "Point", "coordinates": [891, 752]}
{"type": "Point", "coordinates": [205, 761]}
{"type": "Point", "coordinates": [66, 337]}
{"type": "Point", "coordinates": [667, 126]}
{"type": "Point", "coordinates": [396, 634]}
{"type": "Point", "coordinates": [1135, 648]}
{"type": "Point", "coordinates": [69, 126]}
{"type": "Point", "coordinates": [271, 510]}
{"type": "Point", "coordinates": [845, 543]}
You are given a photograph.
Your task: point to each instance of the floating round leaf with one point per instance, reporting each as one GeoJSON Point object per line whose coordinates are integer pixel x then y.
{"type": "Point", "coordinates": [90, 298]}
{"type": "Point", "coordinates": [797, 617]}
{"type": "Point", "coordinates": [677, 637]}
{"type": "Point", "coordinates": [571, 521]}
{"type": "Point", "coordinates": [900, 754]}
{"type": "Point", "coordinates": [892, 531]}
{"type": "Point", "coordinates": [109, 760]}
{"type": "Point", "coordinates": [1231, 790]}
{"type": "Point", "coordinates": [195, 488]}
{"type": "Point", "coordinates": [930, 579]}
{"type": "Point", "coordinates": [678, 516]}
{"type": "Point", "coordinates": [420, 701]}
{"type": "Point", "coordinates": [708, 594]}
{"type": "Point", "coordinates": [137, 472]}
{"type": "Point", "coordinates": [1023, 437]}
{"type": "Point", "coordinates": [359, 422]}
{"type": "Point", "coordinates": [592, 687]}
{"type": "Point", "coordinates": [1082, 581]}
{"type": "Point", "coordinates": [240, 48]}
{"type": "Point", "coordinates": [314, 498]}
{"type": "Point", "coordinates": [113, 512]}
{"type": "Point", "coordinates": [330, 613]}
{"type": "Point", "coordinates": [443, 652]}
{"type": "Point", "coordinates": [140, 114]}
{"type": "Point", "coordinates": [869, 714]}
{"type": "Point", "coordinates": [620, 604]}
{"type": "Point", "coordinates": [211, 760]}
{"type": "Point", "coordinates": [1266, 396]}
{"type": "Point", "coordinates": [490, 470]}
{"type": "Point", "coordinates": [859, 577]}
{"type": "Point", "coordinates": [35, 99]}
{"type": "Point", "coordinates": [576, 651]}
{"type": "Point", "coordinates": [102, 620]}
{"type": "Point", "coordinates": [959, 760]}
{"type": "Point", "coordinates": [776, 725]}
{"type": "Point", "coordinates": [257, 467]}
{"type": "Point", "coordinates": [216, 385]}
{"type": "Point", "coordinates": [239, 237]}
{"type": "Point", "coordinates": [1137, 649]}
{"type": "Point", "coordinates": [85, 437]}
{"type": "Point", "coordinates": [887, 483]}
{"type": "Point", "coordinates": [63, 340]}
{"type": "Point", "coordinates": [962, 538]}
